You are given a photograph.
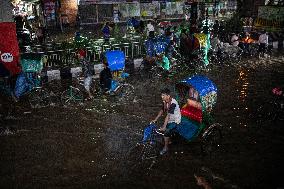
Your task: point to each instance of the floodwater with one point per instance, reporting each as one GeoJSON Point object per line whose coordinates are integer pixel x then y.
{"type": "Point", "coordinates": [89, 146]}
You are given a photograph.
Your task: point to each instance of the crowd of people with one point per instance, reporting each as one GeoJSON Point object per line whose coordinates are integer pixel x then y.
{"type": "Point", "coordinates": [181, 39]}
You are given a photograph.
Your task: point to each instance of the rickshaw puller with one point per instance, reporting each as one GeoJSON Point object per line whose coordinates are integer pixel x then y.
{"type": "Point", "coordinates": [172, 119]}
{"type": "Point", "coordinates": [105, 77]}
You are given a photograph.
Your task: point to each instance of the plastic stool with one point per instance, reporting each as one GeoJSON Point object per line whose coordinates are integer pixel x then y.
{"type": "Point", "coordinates": [136, 49]}
{"type": "Point", "coordinates": [126, 49]}
{"type": "Point", "coordinates": [116, 47]}
{"type": "Point", "coordinates": [106, 48]}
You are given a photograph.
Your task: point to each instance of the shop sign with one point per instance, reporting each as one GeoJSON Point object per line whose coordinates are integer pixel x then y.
{"type": "Point", "coordinates": [7, 57]}
{"type": "Point", "coordinates": [260, 22]}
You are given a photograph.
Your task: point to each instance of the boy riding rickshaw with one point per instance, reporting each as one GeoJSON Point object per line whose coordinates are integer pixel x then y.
{"type": "Point", "coordinates": [196, 97]}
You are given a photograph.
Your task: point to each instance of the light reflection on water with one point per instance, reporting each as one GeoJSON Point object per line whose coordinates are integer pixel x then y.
{"type": "Point", "coordinates": [242, 85]}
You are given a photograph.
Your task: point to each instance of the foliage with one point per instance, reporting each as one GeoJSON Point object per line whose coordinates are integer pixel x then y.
{"type": "Point", "coordinates": [234, 24]}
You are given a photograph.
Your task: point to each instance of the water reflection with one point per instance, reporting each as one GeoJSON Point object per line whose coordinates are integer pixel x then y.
{"type": "Point", "coordinates": [243, 84]}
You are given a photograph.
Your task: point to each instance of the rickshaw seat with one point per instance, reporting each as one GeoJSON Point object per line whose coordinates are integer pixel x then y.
{"type": "Point", "coordinates": [192, 113]}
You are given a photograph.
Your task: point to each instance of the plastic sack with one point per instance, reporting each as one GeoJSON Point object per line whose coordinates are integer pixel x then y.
{"type": "Point", "coordinates": [160, 46]}
{"type": "Point", "coordinates": [116, 60]}
{"type": "Point", "coordinates": [114, 85]}
{"type": "Point", "coordinates": [21, 85]}
{"type": "Point", "coordinates": [124, 75]}
{"type": "Point", "coordinates": [148, 131]}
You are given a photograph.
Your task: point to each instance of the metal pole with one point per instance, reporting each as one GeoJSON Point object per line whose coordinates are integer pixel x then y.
{"type": "Point", "coordinates": [97, 12]}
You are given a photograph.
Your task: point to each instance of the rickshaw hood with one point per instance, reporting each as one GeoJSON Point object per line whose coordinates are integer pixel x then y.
{"type": "Point", "coordinates": [200, 83]}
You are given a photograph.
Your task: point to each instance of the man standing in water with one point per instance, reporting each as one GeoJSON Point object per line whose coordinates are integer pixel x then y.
{"type": "Point", "coordinates": [172, 119]}
{"type": "Point", "coordinates": [88, 71]}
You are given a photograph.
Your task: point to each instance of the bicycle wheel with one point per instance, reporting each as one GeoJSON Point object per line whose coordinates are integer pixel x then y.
{"type": "Point", "coordinates": [72, 96]}
{"type": "Point", "coordinates": [125, 92]}
{"type": "Point", "coordinates": [211, 139]}
{"type": "Point", "coordinates": [39, 98]}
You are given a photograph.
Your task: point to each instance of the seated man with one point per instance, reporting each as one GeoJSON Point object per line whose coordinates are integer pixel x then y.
{"type": "Point", "coordinates": [106, 31]}
{"type": "Point", "coordinates": [263, 42]}
{"type": "Point", "coordinates": [105, 77]}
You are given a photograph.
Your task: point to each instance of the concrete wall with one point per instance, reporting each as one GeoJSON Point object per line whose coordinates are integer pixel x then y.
{"type": "Point", "coordinates": [6, 8]}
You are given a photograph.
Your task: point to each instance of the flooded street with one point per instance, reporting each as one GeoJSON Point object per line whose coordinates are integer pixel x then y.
{"type": "Point", "coordinates": [90, 145]}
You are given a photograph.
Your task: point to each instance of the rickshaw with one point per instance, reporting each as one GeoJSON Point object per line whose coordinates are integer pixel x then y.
{"type": "Point", "coordinates": [199, 95]}
{"type": "Point", "coordinates": [27, 74]}
{"type": "Point", "coordinates": [124, 91]}
{"type": "Point", "coordinates": [28, 82]}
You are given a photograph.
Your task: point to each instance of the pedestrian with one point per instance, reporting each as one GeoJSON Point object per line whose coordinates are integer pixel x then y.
{"type": "Point", "coordinates": [235, 40]}
{"type": "Point", "coordinates": [150, 28]}
{"type": "Point", "coordinates": [215, 43]}
{"type": "Point", "coordinates": [106, 31]}
{"type": "Point", "coordinates": [88, 71]}
{"type": "Point", "coordinates": [172, 119]}
{"type": "Point", "coordinates": [263, 42]}
{"type": "Point", "coordinates": [105, 77]}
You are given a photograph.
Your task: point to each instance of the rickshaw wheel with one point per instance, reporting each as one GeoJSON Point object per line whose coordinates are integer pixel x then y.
{"type": "Point", "coordinates": [39, 98]}
{"type": "Point", "coordinates": [71, 96]}
{"type": "Point", "coordinates": [211, 139]}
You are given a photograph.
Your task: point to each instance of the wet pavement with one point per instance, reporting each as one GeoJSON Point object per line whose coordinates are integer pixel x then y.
{"type": "Point", "coordinates": [90, 145]}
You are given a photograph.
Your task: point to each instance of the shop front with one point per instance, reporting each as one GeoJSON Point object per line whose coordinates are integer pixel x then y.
{"type": "Point", "coordinates": [94, 11]}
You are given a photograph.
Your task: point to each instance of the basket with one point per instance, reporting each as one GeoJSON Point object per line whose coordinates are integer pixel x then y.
{"type": "Point", "coordinates": [32, 62]}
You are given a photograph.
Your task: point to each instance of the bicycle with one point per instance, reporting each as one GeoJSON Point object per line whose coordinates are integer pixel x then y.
{"type": "Point", "coordinates": [75, 95]}
{"type": "Point", "coordinates": [144, 154]}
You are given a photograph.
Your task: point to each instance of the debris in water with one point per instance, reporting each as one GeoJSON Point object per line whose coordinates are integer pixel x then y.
{"type": "Point", "coordinates": [7, 131]}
